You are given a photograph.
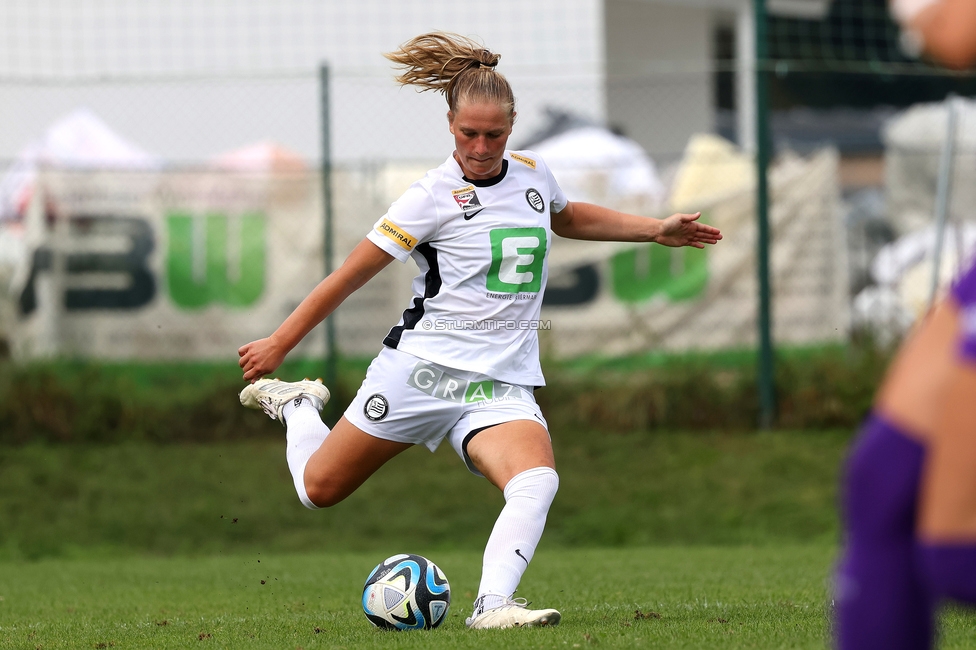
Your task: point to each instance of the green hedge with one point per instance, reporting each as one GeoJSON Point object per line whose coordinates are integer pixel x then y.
{"type": "Point", "coordinates": [78, 402]}
{"type": "Point", "coordinates": [815, 388]}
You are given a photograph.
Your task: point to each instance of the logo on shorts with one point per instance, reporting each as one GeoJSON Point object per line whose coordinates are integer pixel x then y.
{"type": "Point", "coordinates": [376, 408]}
{"type": "Point", "coordinates": [439, 384]}
{"type": "Point", "coordinates": [535, 200]}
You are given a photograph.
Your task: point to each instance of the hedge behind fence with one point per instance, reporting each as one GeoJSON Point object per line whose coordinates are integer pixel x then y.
{"type": "Point", "coordinates": [77, 402]}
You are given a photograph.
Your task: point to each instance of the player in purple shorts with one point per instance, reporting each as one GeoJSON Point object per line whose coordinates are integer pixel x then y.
{"type": "Point", "coordinates": [910, 485]}
{"type": "Point", "coordinates": [910, 488]}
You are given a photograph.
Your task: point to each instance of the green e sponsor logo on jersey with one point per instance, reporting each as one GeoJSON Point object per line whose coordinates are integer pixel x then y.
{"type": "Point", "coordinates": [517, 259]}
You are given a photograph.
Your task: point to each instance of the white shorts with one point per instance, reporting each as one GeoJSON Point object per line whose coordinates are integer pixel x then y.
{"type": "Point", "coordinates": [407, 399]}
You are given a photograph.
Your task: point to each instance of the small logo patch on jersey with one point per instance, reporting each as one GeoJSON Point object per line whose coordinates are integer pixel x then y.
{"type": "Point", "coordinates": [522, 159]}
{"type": "Point", "coordinates": [405, 240]}
{"type": "Point", "coordinates": [535, 200]}
{"type": "Point", "coordinates": [467, 200]}
{"type": "Point", "coordinates": [376, 408]}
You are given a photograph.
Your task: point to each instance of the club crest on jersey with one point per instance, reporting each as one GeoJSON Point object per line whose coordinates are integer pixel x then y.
{"type": "Point", "coordinates": [467, 199]}
{"type": "Point", "coordinates": [535, 200]}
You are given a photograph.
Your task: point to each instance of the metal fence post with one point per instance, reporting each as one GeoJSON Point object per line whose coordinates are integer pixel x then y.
{"type": "Point", "coordinates": [943, 196]}
{"type": "Point", "coordinates": [767, 395]}
{"type": "Point", "coordinates": [330, 322]}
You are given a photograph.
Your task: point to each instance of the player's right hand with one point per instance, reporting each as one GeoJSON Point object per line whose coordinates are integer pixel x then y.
{"type": "Point", "coordinates": [260, 358]}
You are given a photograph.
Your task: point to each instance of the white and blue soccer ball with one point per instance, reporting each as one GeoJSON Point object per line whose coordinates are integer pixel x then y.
{"type": "Point", "coordinates": [406, 592]}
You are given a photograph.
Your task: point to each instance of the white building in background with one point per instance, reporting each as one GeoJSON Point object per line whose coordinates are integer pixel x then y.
{"type": "Point", "coordinates": [659, 65]}
{"type": "Point", "coordinates": [187, 79]}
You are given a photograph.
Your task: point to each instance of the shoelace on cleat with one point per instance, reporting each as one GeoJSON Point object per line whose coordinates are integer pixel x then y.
{"type": "Point", "coordinates": [508, 602]}
{"type": "Point", "coordinates": [267, 405]}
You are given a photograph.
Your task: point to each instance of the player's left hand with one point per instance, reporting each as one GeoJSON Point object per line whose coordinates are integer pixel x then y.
{"type": "Point", "coordinates": [684, 230]}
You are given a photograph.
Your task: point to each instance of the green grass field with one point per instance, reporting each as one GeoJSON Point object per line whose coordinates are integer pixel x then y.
{"type": "Point", "coordinates": [666, 597]}
{"type": "Point", "coordinates": [718, 540]}
{"type": "Point", "coordinates": [699, 597]}
{"type": "Point", "coordinates": [615, 490]}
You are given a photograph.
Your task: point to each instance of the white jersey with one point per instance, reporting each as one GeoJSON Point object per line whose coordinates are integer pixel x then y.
{"type": "Point", "coordinates": [481, 246]}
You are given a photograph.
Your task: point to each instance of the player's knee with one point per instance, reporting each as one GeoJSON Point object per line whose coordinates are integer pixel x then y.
{"type": "Point", "coordinates": [537, 485]}
{"type": "Point", "coordinates": [324, 494]}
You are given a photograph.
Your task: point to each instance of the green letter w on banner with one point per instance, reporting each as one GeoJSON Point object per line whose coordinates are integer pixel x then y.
{"type": "Point", "coordinates": [646, 272]}
{"type": "Point", "coordinates": [215, 259]}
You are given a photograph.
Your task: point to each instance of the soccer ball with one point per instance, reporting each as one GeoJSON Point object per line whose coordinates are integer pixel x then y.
{"type": "Point", "coordinates": [406, 592]}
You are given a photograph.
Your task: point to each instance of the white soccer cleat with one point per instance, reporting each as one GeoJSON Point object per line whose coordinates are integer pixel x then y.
{"type": "Point", "coordinates": [511, 613]}
{"type": "Point", "coordinates": [271, 395]}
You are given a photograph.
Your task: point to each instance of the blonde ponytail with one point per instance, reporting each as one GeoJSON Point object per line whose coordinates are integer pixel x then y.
{"type": "Point", "coordinates": [455, 65]}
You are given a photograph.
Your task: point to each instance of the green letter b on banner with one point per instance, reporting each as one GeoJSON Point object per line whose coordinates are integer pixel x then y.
{"type": "Point", "coordinates": [204, 266]}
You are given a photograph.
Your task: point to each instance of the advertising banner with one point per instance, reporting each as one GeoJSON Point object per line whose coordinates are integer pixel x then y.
{"type": "Point", "coordinates": [191, 265]}
{"type": "Point", "coordinates": [616, 299]}
{"type": "Point", "coordinates": [165, 265]}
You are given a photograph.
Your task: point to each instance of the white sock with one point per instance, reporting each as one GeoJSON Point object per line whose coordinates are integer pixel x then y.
{"type": "Point", "coordinates": [515, 535]}
{"type": "Point", "coordinates": [305, 432]}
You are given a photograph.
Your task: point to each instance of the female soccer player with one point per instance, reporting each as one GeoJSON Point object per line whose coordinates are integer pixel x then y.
{"type": "Point", "coordinates": [910, 488]}
{"type": "Point", "coordinates": [464, 359]}
{"type": "Point", "coordinates": [910, 484]}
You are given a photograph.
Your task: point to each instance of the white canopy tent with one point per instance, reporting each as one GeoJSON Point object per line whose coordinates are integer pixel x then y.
{"type": "Point", "coordinates": [79, 140]}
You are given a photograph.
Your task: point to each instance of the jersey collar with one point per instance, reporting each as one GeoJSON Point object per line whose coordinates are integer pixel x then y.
{"type": "Point", "coordinates": [484, 182]}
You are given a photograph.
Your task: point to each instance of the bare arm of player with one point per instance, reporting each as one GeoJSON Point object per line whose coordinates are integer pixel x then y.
{"type": "Point", "coordinates": [596, 223]}
{"type": "Point", "coordinates": [947, 28]}
{"type": "Point", "coordinates": [261, 357]}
